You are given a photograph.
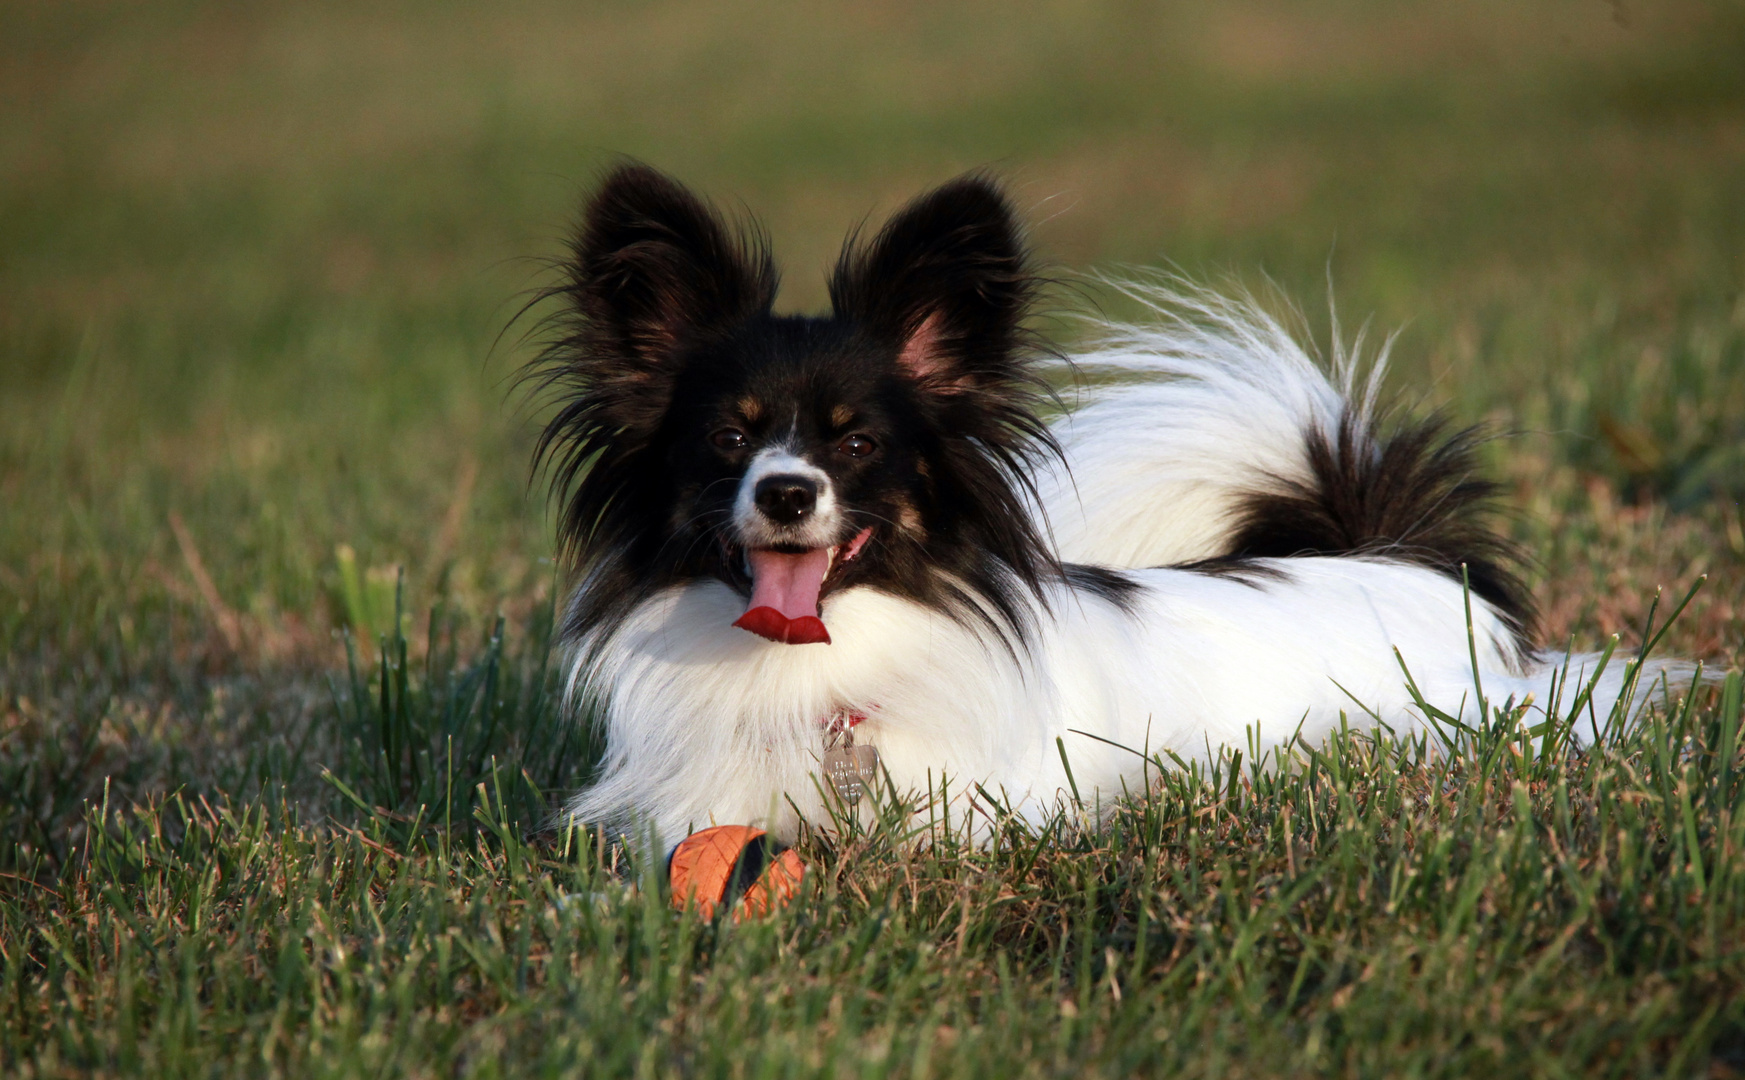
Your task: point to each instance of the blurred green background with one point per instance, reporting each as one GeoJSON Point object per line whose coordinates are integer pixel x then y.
{"type": "Point", "coordinates": [257, 262]}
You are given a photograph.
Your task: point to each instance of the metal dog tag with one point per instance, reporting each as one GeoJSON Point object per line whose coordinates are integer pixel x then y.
{"type": "Point", "coordinates": [851, 770]}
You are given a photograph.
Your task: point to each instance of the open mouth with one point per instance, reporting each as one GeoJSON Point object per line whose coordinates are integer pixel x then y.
{"type": "Point", "coordinates": [785, 585]}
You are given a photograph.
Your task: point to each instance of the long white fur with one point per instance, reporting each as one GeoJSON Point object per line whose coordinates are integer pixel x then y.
{"type": "Point", "coordinates": [1157, 467]}
{"type": "Point", "coordinates": [709, 725]}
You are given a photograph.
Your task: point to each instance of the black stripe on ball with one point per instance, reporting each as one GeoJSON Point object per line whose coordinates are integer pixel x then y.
{"type": "Point", "coordinates": [753, 858]}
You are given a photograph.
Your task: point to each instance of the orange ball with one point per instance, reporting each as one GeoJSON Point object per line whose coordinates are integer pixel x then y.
{"type": "Point", "coordinates": [733, 866]}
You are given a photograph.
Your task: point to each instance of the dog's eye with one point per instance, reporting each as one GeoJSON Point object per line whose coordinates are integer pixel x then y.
{"type": "Point", "coordinates": [857, 446]}
{"type": "Point", "coordinates": [729, 438]}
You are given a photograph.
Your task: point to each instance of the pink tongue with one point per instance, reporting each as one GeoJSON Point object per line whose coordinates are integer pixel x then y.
{"type": "Point", "coordinates": [784, 596]}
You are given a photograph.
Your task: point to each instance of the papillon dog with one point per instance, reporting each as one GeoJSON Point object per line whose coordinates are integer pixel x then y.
{"type": "Point", "coordinates": [814, 552]}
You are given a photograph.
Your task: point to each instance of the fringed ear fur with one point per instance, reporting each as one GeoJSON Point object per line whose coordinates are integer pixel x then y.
{"type": "Point", "coordinates": [653, 267]}
{"type": "Point", "coordinates": [652, 272]}
{"type": "Point", "coordinates": [947, 283]}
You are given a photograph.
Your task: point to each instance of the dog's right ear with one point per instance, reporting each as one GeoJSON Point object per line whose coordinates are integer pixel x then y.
{"type": "Point", "coordinates": [652, 270]}
{"type": "Point", "coordinates": [654, 267]}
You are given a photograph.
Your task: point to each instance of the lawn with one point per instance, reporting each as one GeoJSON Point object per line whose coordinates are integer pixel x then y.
{"type": "Point", "coordinates": [279, 727]}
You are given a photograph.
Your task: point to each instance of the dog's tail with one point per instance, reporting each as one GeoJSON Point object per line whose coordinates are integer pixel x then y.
{"type": "Point", "coordinates": [1238, 445]}
{"type": "Point", "coordinates": [1594, 696]}
{"type": "Point", "coordinates": [1210, 436]}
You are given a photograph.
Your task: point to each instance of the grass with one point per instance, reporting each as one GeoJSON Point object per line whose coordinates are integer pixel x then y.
{"type": "Point", "coordinates": [278, 725]}
{"type": "Point", "coordinates": [1496, 906]}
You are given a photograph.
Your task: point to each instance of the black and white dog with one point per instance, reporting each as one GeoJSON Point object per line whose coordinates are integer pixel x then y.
{"type": "Point", "coordinates": [794, 532]}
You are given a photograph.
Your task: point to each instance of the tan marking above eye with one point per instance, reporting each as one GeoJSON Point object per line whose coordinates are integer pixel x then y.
{"type": "Point", "coordinates": [750, 408]}
{"type": "Point", "coordinates": [841, 415]}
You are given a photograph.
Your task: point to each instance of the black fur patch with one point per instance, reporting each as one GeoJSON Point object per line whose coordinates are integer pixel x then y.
{"type": "Point", "coordinates": [1413, 494]}
{"type": "Point", "coordinates": [1248, 570]}
{"type": "Point", "coordinates": [1110, 585]}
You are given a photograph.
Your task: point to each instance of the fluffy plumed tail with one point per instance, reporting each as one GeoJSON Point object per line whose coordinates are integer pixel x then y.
{"type": "Point", "coordinates": [1210, 436]}
{"type": "Point", "coordinates": [1239, 445]}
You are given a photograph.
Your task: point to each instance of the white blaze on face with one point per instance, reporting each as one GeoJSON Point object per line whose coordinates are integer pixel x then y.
{"type": "Point", "coordinates": [786, 584]}
{"type": "Point", "coordinates": [818, 529]}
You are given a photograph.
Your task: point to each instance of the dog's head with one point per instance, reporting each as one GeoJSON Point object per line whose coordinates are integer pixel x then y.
{"type": "Point", "coordinates": [699, 435]}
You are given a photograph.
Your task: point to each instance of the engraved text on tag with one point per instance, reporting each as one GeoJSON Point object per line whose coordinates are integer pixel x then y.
{"type": "Point", "coordinates": [851, 770]}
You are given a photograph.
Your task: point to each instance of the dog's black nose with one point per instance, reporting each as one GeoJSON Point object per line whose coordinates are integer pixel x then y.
{"type": "Point", "coordinates": [785, 499]}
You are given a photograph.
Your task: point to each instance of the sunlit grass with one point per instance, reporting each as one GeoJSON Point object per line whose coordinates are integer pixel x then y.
{"type": "Point", "coordinates": [1374, 905]}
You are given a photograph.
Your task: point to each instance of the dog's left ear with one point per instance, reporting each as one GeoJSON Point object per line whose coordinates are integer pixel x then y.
{"type": "Point", "coordinates": [946, 283]}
